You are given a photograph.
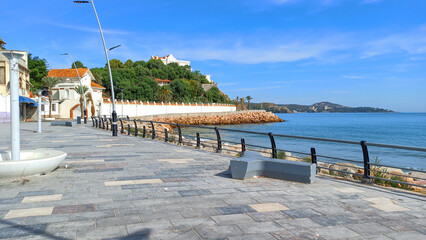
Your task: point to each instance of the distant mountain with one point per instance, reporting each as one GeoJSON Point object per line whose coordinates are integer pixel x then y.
{"type": "Point", "coordinates": [315, 108]}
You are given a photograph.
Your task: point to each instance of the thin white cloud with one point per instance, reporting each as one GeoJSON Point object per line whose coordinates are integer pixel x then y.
{"type": "Point", "coordinates": [87, 29]}
{"type": "Point", "coordinates": [352, 77]}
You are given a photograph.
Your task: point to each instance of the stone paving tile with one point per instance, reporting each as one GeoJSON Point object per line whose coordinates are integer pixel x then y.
{"type": "Point", "coordinates": [411, 235]}
{"type": "Point", "coordinates": [218, 232]}
{"type": "Point", "coordinates": [302, 213]}
{"type": "Point", "coordinates": [327, 221]}
{"type": "Point", "coordinates": [267, 216]}
{"type": "Point", "coordinates": [232, 219]}
{"type": "Point", "coordinates": [17, 231]}
{"type": "Point", "coordinates": [176, 235]}
{"type": "Point", "coordinates": [74, 209]}
{"type": "Point", "coordinates": [268, 207]}
{"type": "Point", "coordinates": [92, 215]}
{"type": "Point", "coordinates": [28, 212]}
{"type": "Point", "coordinates": [297, 234]}
{"type": "Point", "coordinates": [298, 223]}
{"type": "Point", "coordinates": [198, 192]}
{"type": "Point", "coordinates": [35, 193]}
{"type": "Point", "coordinates": [369, 228]}
{"type": "Point", "coordinates": [117, 221]}
{"type": "Point", "coordinates": [101, 233]}
{"type": "Point", "coordinates": [97, 170]}
{"type": "Point", "coordinates": [265, 236]}
{"type": "Point", "coordinates": [71, 226]}
{"type": "Point", "coordinates": [335, 232]}
{"type": "Point", "coordinates": [235, 209]}
{"type": "Point", "coordinates": [43, 198]}
{"type": "Point", "coordinates": [189, 223]}
{"type": "Point", "coordinates": [149, 227]}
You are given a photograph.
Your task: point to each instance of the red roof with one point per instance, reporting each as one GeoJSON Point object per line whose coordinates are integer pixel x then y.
{"type": "Point", "coordinates": [95, 85]}
{"type": "Point", "coordinates": [162, 80]}
{"type": "Point", "coordinates": [157, 57]}
{"type": "Point", "coordinates": [62, 73]}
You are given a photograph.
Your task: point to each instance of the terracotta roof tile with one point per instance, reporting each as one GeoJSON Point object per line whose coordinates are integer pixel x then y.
{"type": "Point", "coordinates": [162, 80]}
{"type": "Point", "coordinates": [92, 84]}
{"type": "Point", "coordinates": [62, 73]}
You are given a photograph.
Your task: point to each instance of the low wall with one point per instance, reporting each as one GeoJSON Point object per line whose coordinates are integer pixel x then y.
{"type": "Point", "coordinates": [139, 109]}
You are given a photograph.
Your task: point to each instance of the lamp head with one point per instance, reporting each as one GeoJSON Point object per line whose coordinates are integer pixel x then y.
{"type": "Point", "coordinates": [64, 54]}
{"type": "Point", "coordinates": [82, 1]}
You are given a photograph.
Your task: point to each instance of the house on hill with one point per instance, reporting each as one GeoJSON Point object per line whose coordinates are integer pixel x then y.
{"type": "Point", "coordinates": [171, 59]}
{"type": "Point", "coordinates": [162, 82]}
{"type": "Point", "coordinates": [66, 101]}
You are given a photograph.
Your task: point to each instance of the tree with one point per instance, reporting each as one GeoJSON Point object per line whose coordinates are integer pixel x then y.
{"type": "Point", "coordinates": [38, 70]}
{"type": "Point", "coordinates": [79, 90]}
{"type": "Point", "coordinates": [164, 94]}
{"type": "Point", "coordinates": [2, 43]}
{"type": "Point", "coordinates": [128, 64]}
{"type": "Point", "coordinates": [78, 64]}
{"type": "Point", "coordinates": [214, 95]}
{"type": "Point", "coordinates": [115, 63]}
{"type": "Point", "coordinates": [248, 100]}
{"type": "Point", "coordinates": [181, 90]}
{"type": "Point", "coordinates": [50, 82]}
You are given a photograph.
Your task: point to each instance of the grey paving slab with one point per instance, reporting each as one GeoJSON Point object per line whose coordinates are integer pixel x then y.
{"type": "Point", "coordinates": [194, 201]}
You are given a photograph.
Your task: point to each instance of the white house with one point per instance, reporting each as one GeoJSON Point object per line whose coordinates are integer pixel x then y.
{"type": "Point", "coordinates": [171, 59]}
{"type": "Point", "coordinates": [66, 101]}
{"type": "Point", "coordinates": [162, 82]}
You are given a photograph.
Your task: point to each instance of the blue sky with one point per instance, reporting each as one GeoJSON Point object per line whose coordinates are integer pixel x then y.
{"type": "Point", "coordinates": [351, 52]}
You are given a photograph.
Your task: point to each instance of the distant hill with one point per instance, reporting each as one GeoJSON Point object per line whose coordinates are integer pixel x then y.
{"type": "Point", "coordinates": [315, 108]}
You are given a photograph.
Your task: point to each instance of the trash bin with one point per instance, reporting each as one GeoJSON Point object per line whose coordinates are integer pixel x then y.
{"type": "Point", "coordinates": [78, 120]}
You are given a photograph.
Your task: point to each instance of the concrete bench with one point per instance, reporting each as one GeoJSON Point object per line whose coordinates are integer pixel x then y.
{"type": "Point", "coordinates": [63, 123]}
{"type": "Point", "coordinates": [254, 164]}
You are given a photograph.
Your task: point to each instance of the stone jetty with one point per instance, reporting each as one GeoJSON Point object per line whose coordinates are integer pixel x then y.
{"type": "Point", "coordinates": [236, 118]}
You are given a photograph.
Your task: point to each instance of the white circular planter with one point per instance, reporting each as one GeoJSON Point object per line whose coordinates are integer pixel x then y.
{"type": "Point", "coordinates": [39, 161]}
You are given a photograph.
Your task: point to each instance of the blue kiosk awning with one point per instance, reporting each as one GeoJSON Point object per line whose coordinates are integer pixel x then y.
{"type": "Point", "coordinates": [31, 102]}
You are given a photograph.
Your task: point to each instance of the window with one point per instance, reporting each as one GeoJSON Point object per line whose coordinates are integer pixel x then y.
{"type": "Point", "coordinates": [42, 107]}
{"type": "Point", "coordinates": [53, 107]}
{"type": "Point", "coordinates": [2, 75]}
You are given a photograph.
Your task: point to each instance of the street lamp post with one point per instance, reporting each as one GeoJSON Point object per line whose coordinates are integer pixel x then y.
{"type": "Point", "coordinates": [122, 106]}
{"type": "Point", "coordinates": [114, 113]}
{"type": "Point", "coordinates": [81, 86]}
{"type": "Point", "coordinates": [39, 111]}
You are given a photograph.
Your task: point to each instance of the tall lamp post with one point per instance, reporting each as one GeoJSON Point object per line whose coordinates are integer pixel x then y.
{"type": "Point", "coordinates": [81, 87]}
{"type": "Point", "coordinates": [114, 113]}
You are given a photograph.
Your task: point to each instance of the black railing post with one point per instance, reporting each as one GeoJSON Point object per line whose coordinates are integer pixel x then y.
{"type": "Point", "coordinates": [243, 145]}
{"type": "Point", "coordinates": [136, 127]}
{"type": "Point", "coordinates": [96, 123]}
{"type": "Point", "coordinates": [122, 126]}
{"type": "Point", "coordinates": [127, 117]}
{"type": "Point", "coordinates": [153, 130]}
{"type": "Point", "coordinates": [313, 156]}
{"type": "Point", "coordinates": [143, 131]}
{"type": "Point", "coordinates": [107, 125]}
{"type": "Point", "coordinates": [273, 146]}
{"type": "Point", "coordinates": [180, 134]}
{"type": "Point", "coordinates": [93, 122]}
{"type": "Point", "coordinates": [198, 140]}
{"type": "Point", "coordinates": [102, 125]}
{"type": "Point", "coordinates": [366, 177]}
{"type": "Point", "coordinates": [128, 129]}
{"type": "Point", "coordinates": [219, 141]}
{"type": "Point", "coordinates": [166, 135]}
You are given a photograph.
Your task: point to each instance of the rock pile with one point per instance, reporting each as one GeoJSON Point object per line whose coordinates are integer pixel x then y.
{"type": "Point", "coordinates": [237, 118]}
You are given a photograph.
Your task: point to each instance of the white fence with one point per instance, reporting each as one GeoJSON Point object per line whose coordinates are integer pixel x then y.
{"type": "Point", "coordinates": [137, 108]}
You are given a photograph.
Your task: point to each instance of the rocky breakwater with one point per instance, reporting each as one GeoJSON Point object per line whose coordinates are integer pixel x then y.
{"type": "Point", "coordinates": [236, 118]}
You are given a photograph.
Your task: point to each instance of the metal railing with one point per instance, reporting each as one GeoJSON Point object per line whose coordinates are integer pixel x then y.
{"type": "Point", "coordinates": [369, 171]}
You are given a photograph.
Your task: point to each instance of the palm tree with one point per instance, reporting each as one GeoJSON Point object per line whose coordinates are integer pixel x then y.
{"type": "Point", "coordinates": [80, 91]}
{"type": "Point", "coordinates": [89, 99]}
{"type": "Point", "coordinates": [248, 100]}
{"type": "Point", "coordinates": [50, 82]}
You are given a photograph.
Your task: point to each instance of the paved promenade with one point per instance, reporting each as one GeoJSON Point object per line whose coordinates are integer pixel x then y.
{"type": "Point", "coordinates": [131, 188]}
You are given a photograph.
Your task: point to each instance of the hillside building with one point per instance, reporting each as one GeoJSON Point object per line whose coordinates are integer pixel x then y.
{"type": "Point", "coordinates": [171, 59]}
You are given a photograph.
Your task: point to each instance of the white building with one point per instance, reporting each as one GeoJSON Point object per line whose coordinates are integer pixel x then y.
{"type": "Point", "coordinates": [171, 59]}
{"type": "Point", "coordinates": [162, 82]}
{"type": "Point", "coordinates": [66, 101]}
{"type": "Point", "coordinates": [27, 106]}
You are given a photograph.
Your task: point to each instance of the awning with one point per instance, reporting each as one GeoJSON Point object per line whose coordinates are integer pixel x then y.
{"type": "Point", "coordinates": [31, 102]}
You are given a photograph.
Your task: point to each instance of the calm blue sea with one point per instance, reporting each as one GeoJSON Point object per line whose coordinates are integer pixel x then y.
{"type": "Point", "coordinates": [408, 129]}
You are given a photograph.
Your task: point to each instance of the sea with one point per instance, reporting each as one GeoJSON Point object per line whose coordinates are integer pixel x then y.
{"type": "Point", "coordinates": [405, 129]}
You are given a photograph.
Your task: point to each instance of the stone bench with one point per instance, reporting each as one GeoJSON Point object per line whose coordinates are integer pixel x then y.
{"type": "Point", "coordinates": [254, 164]}
{"type": "Point", "coordinates": [63, 123]}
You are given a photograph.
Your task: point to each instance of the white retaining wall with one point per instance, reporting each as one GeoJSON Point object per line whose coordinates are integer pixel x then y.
{"type": "Point", "coordinates": [135, 109]}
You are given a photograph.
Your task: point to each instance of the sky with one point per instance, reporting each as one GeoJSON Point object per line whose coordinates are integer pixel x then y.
{"type": "Point", "coordinates": [350, 52]}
